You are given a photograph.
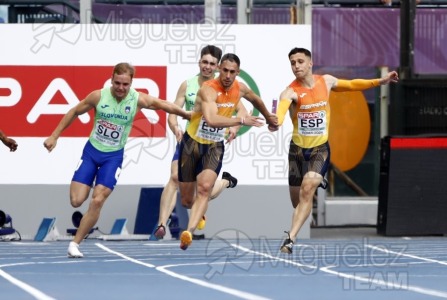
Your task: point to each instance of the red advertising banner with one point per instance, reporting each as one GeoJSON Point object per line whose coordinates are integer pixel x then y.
{"type": "Point", "coordinates": [33, 99]}
{"type": "Point", "coordinates": [418, 143]}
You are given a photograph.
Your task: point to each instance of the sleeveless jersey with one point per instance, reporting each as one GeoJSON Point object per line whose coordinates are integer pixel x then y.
{"type": "Point", "coordinates": [113, 120]}
{"type": "Point", "coordinates": [192, 86]}
{"type": "Point", "coordinates": [311, 114]}
{"type": "Point", "coordinates": [227, 102]}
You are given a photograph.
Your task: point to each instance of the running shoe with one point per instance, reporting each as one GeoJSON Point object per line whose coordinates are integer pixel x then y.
{"type": "Point", "coordinates": [232, 180]}
{"type": "Point", "coordinates": [202, 223]}
{"type": "Point", "coordinates": [287, 245]}
{"type": "Point", "coordinates": [185, 240]}
{"type": "Point", "coordinates": [73, 251]}
{"type": "Point", "coordinates": [160, 232]}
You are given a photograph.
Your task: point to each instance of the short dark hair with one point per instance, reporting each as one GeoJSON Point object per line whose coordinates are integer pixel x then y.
{"type": "Point", "coordinates": [300, 50]}
{"type": "Point", "coordinates": [123, 68]}
{"type": "Point", "coordinates": [214, 51]}
{"type": "Point", "coordinates": [231, 57]}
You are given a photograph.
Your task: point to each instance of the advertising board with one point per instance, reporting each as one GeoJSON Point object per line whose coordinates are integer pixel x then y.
{"type": "Point", "coordinates": [45, 69]}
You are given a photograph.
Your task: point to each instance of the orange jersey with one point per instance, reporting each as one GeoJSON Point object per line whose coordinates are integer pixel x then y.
{"type": "Point", "coordinates": [310, 114]}
{"type": "Point", "coordinates": [226, 102]}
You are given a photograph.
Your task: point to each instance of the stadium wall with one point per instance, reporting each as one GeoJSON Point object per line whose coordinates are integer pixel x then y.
{"type": "Point", "coordinates": [254, 211]}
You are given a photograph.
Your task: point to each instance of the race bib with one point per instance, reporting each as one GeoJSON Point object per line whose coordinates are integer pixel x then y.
{"type": "Point", "coordinates": [312, 123]}
{"type": "Point", "coordinates": [107, 133]}
{"type": "Point", "coordinates": [210, 133]}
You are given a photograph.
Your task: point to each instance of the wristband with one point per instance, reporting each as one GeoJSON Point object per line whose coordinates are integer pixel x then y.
{"type": "Point", "coordinates": [242, 120]}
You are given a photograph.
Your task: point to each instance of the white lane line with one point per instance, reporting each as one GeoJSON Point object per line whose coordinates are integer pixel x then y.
{"type": "Point", "coordinates": [39, 263]}
{"type": "Point", "coordinates": [416, 289]}
{"type": "Point", "coordinates": [407, 255]}
{"type": "Point", "coordinates": [26, 287]}
{"type": "Point", "coordinates": [164, 269]}
{"type": "Point", "coordinates": [124, 256]}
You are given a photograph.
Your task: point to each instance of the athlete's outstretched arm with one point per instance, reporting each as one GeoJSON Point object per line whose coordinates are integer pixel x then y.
{"type": "Point", "coordinates": [341, 85]}
{"type": "Point", "coordinates": [257, 102]}
{"type": "Point", "coordinates": [82, 107]}
{"type": "Point", "coordinates": [151, 102]}
{"type": "Point", "coordinates": [285, 100]}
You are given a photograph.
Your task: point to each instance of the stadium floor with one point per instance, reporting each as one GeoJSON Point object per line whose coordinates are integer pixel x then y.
{"type": "Point", "coordinates": [347, 263]}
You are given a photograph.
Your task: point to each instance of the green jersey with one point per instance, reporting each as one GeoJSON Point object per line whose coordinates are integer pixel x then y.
{"type": "Point", "coordinates": [113, 120]}
{"type": "Point", "coordinates": [192, 87]}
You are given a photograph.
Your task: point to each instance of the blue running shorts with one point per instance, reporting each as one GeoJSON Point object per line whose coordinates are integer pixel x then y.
{"type": "Point", "coordinates": [100, 167]}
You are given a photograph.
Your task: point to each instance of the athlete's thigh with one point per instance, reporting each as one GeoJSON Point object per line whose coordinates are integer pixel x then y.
{"type": "Point", "coordinates": [205, 181]}
{"type": "Point", "coordinates": [79, 192]}
{"type": "Point", "coordinates": [212, 157]}
{"type": "Point", "coordinates": [174, 170]}
{"type": "Point", "coordinates": [319, 159]}
{"type": "Point", "coordinates": [86, 169]}
{"type": "Point", "coordinates": [188, 159]}
{"type": "Point", "coordinates": [296, 163]}
{"type": "Point", "coordinates": [174, 163]}
{"type": "Point", "coordinates": [110, 171]}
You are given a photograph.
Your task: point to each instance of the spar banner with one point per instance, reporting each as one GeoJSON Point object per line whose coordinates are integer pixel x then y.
{"type": "Point", "coordinates": [46, 69]}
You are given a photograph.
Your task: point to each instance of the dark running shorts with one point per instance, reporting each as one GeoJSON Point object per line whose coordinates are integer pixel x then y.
{"type": "Point", "coordinates": [195, 157]}
{"type": "Point", "coordinates": [303, 160]}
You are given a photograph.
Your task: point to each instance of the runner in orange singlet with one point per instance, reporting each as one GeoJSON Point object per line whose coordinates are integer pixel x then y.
{"type": "Point", "coordinates": [202, 145]}
{"type": "Point", "coordinates": [210, 56]}
{"type": "Point", "coordinates": [307, 101]}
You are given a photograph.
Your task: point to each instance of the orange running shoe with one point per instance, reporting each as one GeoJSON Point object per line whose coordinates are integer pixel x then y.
{"type": "Point", "coordinates": [185, 240]}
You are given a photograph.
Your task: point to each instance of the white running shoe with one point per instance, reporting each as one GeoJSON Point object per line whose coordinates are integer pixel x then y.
{"type": "Point", "coordinates": [73, 251]}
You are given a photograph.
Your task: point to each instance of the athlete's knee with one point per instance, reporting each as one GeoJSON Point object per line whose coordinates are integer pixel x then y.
{"type": "Point", "coordinates": [307, 191]}
{"type": "Point", "coordinates": [79, 192]}
{"type": "Point", "coordinates": [76, 200]}
{"type": "Point", "coordinates": [99, 197]}
{"type": "Point", "coordinates": [204, 188]}
{"type": "Point", "coordinates": [97, 201]}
